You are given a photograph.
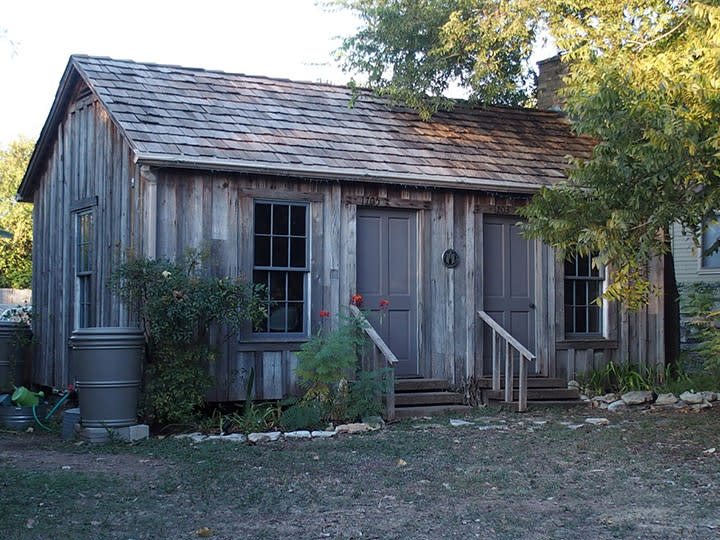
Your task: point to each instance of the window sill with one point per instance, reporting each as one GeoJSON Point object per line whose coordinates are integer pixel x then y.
{"type": "Point", "coordinates": [272, 343]}
{"type": "Point", "coordinates": [586, 343]}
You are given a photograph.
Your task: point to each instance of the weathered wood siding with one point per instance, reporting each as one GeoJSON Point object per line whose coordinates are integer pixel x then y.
{"type": "Point", "coordinates": [89, 164]}
{"type": "Point", "coordinates": [630, 337]}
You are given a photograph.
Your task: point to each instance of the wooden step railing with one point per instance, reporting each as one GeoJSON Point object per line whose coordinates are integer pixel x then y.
{"type": "Point", "coordinates": [512, 345]}
{"type": "Point", "coordinates": [379, 357]}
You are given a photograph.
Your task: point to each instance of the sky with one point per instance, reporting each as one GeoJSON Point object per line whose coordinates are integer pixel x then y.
{"type": "Point", "coordinates": [292, 39]}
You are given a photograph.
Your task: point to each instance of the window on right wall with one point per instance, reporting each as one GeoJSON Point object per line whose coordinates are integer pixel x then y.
{"type": "Point", "coordinates": [583, 285]}
{"type": "Point", "coordinates": [710, 240]}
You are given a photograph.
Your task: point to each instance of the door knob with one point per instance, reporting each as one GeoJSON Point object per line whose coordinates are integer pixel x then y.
{"type": "Point", "coordinates": [531, 305]}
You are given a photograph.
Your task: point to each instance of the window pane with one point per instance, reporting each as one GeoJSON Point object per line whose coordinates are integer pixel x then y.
{"type": "Point", "coordinates": [570, 267]}
{"type": "Point", "coordinates": [569, 320]}
{"type": "Point", "coordinates": [261, 277]}
{"type": "Point", "coordinates": [277, 319]}
{"type": "Point", "coordinates": [296, 285]}
{"type": "Point", "coordinates": [262, 218]}
{"type": "Point", "coordinates": [280, 251]}
{"type": "Point", "coordinates": [569, 296]}
{"type": "Point", "coordinates": [280, 219]}
{"type": "Point", "coordinates": [594, 315]}
{"type": "Point", "coordinates": [583, 264]}
{"type": "Point", "coordinates": [594, 271]}
{"type": "Point", "coordinates": [580, 324]}
{"type": "Point", "coordinates": [277, 286]}
{"type": "Point", "coordinates": [294, 317]}
{"type": "Point", "coordinates": [580, 293]}
{"type": "Point", "coordinates": [297, 252]}
{"type": "Point", "coordinates": [262, 251]}
{"type": "Point", "coordinates": [297, 220]}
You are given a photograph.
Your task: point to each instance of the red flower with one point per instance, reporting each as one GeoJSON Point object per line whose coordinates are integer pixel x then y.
{"type": "Point", "coordinates": [324, 314]}
{"type": "Point", "coordinates": [384, 303]}
{"type": "Point", "coordinates": [356, 300]}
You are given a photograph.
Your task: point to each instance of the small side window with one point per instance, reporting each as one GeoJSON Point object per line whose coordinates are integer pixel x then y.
{"type": "Point", "coordinates": [84, 268]}
{"type": "Point", "coordinates": [583, 285]}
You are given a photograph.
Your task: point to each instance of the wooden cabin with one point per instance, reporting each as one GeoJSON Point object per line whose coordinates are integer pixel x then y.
{"type": "Point", "coordinates": [293, 187]}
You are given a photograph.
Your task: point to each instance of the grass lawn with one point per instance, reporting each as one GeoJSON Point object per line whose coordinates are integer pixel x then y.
{"type": "Point", "coordinates": [530, 476]}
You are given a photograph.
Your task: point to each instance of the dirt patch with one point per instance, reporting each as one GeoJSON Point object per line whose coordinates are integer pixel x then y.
{"type": "Point", "coordinates": [22, 452]}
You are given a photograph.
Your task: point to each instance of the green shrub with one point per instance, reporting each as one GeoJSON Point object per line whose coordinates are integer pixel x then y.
{"type": "Point", "coordinates": [616, 378]}
{"type": "Point", "coordinates": [700, 303]}
{"type": "Point", "coordinates": [302, 415]}
{"type": "Point", "coordinates": [177, 304]}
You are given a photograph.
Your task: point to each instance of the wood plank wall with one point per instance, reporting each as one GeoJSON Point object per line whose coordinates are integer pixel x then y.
{"type": "Point", "coordinates": [89, 161]}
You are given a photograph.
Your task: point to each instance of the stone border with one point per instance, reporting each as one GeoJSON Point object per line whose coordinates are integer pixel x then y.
{"type": "Point", "coordinates": [273, 436]}
{"type": "Point", "coordinates": [616, 403]}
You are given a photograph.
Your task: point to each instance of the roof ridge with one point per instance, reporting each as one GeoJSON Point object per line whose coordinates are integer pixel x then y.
{"type": "Point", "coordinates": [367, 92]}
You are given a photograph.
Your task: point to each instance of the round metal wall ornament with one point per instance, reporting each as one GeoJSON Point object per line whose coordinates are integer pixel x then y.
{"type": "Point", "coordinates": [451, 258]}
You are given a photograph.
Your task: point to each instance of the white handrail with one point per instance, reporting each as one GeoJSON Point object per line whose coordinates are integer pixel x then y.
{"type": "Point", "coordinates": [524, 354]}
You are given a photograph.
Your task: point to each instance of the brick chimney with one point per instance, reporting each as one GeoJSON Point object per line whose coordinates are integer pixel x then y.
{"type": "Point", "coordinates": [551, 72]}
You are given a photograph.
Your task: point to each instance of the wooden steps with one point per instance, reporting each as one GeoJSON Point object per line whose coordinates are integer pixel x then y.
{"type": "Point", "coordinates": [542, 392]}
{"type": "Point", "coordinates": [426, 397]}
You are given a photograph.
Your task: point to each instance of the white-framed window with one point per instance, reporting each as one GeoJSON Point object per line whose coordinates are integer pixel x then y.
{"type": "Point", "coordinates": [281, 262]}
{"type": "Point", "coordinates": [583, 285]}
{"type": "Point", "coordinates": [84, 267]}
{"type": "Point", "coordinates": [710, 240]}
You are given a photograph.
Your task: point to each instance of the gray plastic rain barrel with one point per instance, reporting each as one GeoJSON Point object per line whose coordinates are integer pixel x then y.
{"type": "Point", "coordinates": [14, 343]}
{"type": "Point", "coordinates": [107, 367]}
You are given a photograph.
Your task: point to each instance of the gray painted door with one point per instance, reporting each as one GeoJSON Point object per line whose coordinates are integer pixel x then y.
{"type": "Point", "coordinates": [509, 283]}
{"type": "Point", "coordinates": [387, 270]}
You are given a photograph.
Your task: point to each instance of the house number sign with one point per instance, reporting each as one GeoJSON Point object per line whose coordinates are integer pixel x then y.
{"type": "Point", "coordinates": [450, 258]}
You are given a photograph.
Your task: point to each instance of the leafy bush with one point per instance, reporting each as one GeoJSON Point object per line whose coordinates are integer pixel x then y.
{"type": "Point", "coordinates": [616, 378]}
{"type": "Point", "coordinates": [329, 368]}
{"type": "Point", "coordinates": [177, 304]}
{"type": "Point", "coordinates": [303, 415]}
{"type": "Point", "coordinates": [701, 304]}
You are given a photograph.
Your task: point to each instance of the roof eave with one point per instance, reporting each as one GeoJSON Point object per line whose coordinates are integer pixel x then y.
{"type": "Point", "coordinates": [330, 174]}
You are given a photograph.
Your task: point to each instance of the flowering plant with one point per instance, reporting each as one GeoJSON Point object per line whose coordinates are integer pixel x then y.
{"type": "Point", "coordinates": [331, 356]}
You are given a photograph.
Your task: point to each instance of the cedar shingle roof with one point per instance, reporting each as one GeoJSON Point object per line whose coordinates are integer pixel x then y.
{"type": "Point", "coordinates": [186, 117]}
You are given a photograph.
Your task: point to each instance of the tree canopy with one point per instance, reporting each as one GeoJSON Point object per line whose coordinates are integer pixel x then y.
{"type": "Point", "coordinates": [15, 218]}
{"type": "Point", "coordinates": [644, 82]}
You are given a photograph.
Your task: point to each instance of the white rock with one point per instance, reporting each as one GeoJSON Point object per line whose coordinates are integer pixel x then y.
{"type": "Point", "coordinates": [539, 422]}
{"type": "Point", "coordinates": [692, 398]}
{"type": "Point", "coordinates": [353, 428]}
{"type": "Point", "coordinates": [300, 434]}
{"type": "Point", "coordinates": [604, 405]}
{"type": "Point", "coordinates": [324, 434]}
{"type": "Point", "coordinates": [637, 397]}
{"type": "Point", "coordinates": [703, 405]}
{"type": "Point", "coordinates": [617, 406]}
{"type": "Point", "coordinates": [269, 436]}
{"type": "Point", "coordinates": [597, 421]}
{"type": "Point", "coordinates": [235, 437]}
{"type": "Point", "coordinates": [709, 396]}
{"type": "Point", "coordinates": [194, 437]}
{"type": "Point", "coordinates": [607, 398]}
{"type": "Point", "coordinates": [575, 426]}
{"type": "Point", "coordinates": [456, 423]}
{"type": "Point", "coordinates": [666, 399]}
{"type": "Point", "coordinates": [573, 385]}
